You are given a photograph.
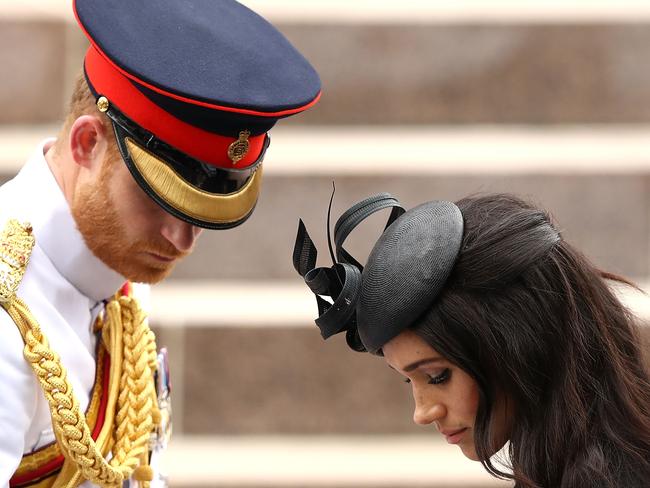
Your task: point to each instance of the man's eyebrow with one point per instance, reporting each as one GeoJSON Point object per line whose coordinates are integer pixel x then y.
{"type": "Point", "coordinates": [420, 362]}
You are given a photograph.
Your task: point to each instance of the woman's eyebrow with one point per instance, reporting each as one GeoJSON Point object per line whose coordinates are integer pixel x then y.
{"type": "Point", "coordinates": [420, 362]}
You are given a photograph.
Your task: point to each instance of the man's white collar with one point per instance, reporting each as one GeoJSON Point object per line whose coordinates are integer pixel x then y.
{"type": "Point", "coordinates": [56, 233]}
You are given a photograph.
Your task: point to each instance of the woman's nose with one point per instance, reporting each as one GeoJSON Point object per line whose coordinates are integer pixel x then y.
{"type": "Point", "coordinates": [427, 410]}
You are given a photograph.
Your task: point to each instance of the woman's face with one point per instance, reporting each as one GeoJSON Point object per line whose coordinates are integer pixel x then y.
{"type": "Point", "coordinates": [444, 394]}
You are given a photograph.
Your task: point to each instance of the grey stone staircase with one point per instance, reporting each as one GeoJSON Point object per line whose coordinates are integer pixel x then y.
{"type": "Point", "coordinates": [426, 102]}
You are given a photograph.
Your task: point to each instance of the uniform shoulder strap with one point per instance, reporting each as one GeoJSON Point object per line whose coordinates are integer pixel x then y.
{"type": "Point", "coordinates": [16, 244]}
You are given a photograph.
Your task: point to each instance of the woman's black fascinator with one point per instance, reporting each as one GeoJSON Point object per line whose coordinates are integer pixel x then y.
{"type": "Point", "coordinates": [405, 272]}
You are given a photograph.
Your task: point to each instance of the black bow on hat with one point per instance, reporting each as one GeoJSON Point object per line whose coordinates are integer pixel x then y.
{"type": "Point", "coordinates": [406, 270]}
{"type": "Point", "coordinates": [341, 281]}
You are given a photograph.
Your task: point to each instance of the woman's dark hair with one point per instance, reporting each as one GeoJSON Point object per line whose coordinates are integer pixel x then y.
{"type": "Point", "coordinates": [534, 322]}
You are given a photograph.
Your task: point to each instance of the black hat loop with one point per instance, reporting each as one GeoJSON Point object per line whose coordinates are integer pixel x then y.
{"type": "Point", "coordinates": [342, 281]}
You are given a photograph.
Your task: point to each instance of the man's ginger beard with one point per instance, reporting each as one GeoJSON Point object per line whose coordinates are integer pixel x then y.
{"type": "Point", "coordinates": [98, 220]}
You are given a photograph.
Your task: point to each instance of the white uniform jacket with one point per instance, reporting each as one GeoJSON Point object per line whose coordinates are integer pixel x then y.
{"type": "Point", "coordinates": [65, 287]}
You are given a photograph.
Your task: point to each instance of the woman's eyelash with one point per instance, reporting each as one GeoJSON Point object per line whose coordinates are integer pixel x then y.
{"type": "Point", "coordinates": [436, 380]}
{"type": "Point", "coordinates": [441, 378]}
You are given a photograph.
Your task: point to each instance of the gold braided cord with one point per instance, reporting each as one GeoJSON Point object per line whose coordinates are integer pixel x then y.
{"type": "Point", "coordinates": [45, 455]}
{"type": "Point", "coordinates": [135, 357]}
{"type": "Point", "coordinates": [137, 404]}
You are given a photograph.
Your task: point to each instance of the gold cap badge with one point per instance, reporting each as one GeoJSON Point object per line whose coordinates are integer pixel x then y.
{"type": "Point", "coordinates": [102, 104]}
{"type": "Point", "coordinates": [238, 149]}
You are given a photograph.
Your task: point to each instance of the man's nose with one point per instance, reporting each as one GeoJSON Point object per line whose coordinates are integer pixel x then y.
{"type": "Point", "coordinates": [182, 235]}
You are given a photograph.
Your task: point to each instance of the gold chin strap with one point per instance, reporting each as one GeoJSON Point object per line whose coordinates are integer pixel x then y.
{"type": "Point", "coordinates": [133, 361]}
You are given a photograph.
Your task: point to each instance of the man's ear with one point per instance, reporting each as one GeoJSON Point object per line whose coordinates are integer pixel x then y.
{"type": "Point", "coordinates": [88, 141]}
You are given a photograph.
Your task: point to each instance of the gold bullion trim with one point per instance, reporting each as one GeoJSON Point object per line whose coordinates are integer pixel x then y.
{"type": "Point", "coordinates": [190, 200]}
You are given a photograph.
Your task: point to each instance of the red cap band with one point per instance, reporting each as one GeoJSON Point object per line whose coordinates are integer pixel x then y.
{"type": "Point", "coordinates": [200, 144]}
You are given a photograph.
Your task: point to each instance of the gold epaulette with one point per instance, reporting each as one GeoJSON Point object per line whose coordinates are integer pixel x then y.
{"type": "Point", "coordinates": [16, 244]}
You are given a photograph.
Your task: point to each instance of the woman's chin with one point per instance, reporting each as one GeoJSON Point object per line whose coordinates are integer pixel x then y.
{"type": "Point", "coordinates": [469, 452]}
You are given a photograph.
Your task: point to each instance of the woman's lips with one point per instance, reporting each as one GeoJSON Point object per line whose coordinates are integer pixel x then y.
{"type": "Point", "coordinates": [454, 436]}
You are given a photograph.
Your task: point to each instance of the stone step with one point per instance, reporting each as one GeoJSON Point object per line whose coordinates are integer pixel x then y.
{"type": "Point", "coordinates": [245, 304]}
{"type": "Point", "coordinates": [593, 179]}
{"type": "Point", "coordinates": [247, 359]}
{"type": "Point", "coordinates": [438, 150]}
{"type": "Point", "coordinates": [321, 461]}
{"type": "Point", "coordinates": [385, 12]}
{"type": "Point", "coordinates": [606, 216]}
{"type": "Point", "coordinates": [430, 63]}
